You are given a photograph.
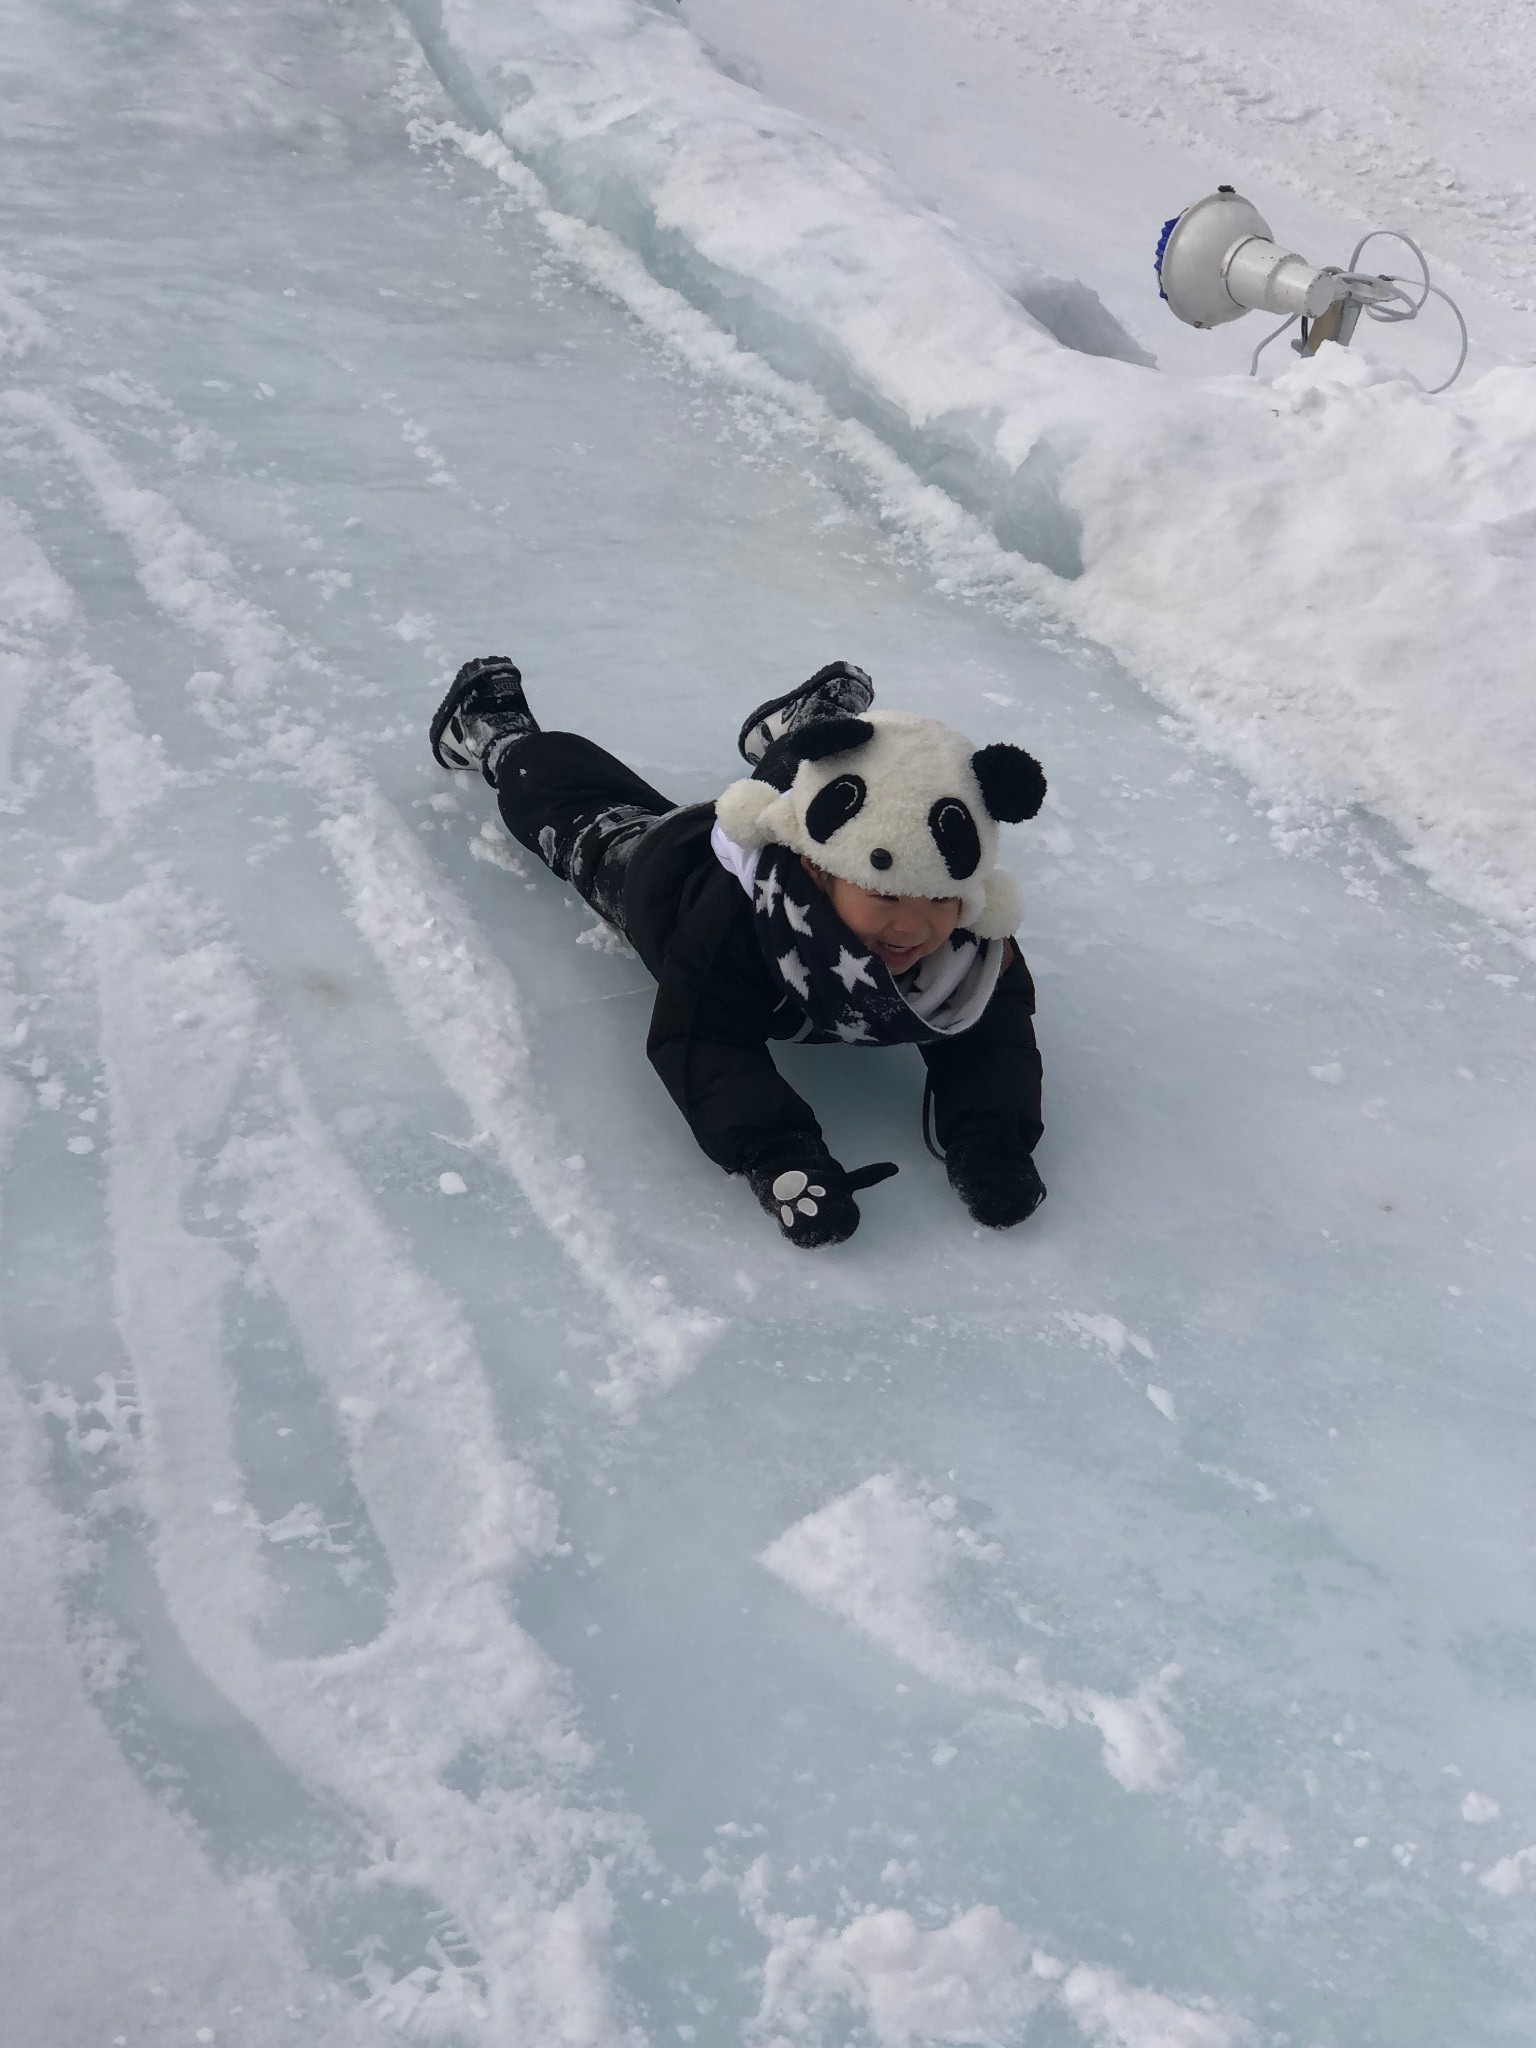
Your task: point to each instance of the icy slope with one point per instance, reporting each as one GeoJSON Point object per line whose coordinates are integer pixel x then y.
{"type": "Point", "coordinates": [1331, 575]}
{"type": "Point", "coordinates": [470, 1583]}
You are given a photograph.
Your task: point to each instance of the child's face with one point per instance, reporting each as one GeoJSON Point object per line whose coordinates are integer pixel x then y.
{"type": "Point", "coordinates": [901, 929]}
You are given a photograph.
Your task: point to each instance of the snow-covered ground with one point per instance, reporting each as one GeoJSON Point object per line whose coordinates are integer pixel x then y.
{"type": "Point", "coordinates": [1328, 571]}
{"type": "Point", "coordinates": [464, 1580]}
{"type": "Point", "coordinates": [1055, 132]}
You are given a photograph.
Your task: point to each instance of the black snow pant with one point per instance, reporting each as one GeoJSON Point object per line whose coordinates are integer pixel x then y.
{"type": "Point", "coordinates": [581, 811]}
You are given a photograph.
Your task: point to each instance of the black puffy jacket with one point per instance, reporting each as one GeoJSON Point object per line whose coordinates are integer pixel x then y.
{"type": "Point", "coordinates": [718, 1006]}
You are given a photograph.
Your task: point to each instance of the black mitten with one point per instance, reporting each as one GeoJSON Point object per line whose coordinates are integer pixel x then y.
{"type": "Point", "coordinates": [810, 1196]}
{"type": "Point", "coordinates": [994, 1176]}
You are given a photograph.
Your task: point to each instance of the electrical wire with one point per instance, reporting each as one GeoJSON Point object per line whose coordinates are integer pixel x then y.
{"type": "Point", "coordinates": [1394, 235]}
{"type": "Point", "coordinates": [1274, 334]}
{"type": "Point", "coordinates": [1410, 307]}
{"type": "Point", "coordinates": [1382, 297]}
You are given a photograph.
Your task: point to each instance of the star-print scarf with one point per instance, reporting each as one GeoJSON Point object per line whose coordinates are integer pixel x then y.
{"type": "Point", "coordinates": [846, 992]}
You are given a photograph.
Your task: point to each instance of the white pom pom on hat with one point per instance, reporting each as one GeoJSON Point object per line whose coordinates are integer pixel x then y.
{"type": "Point", "coordinates": [895, 803]}
{"type": "Point", "coordinates": [740, 809]}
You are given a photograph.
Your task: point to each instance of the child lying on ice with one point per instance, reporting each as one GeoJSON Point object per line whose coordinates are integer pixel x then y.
{"type": "Point", "coordinates": [845, 891]}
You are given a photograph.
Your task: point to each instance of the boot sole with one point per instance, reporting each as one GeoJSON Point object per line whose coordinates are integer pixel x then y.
{"type": "Point", "coordinates": [458, 690]}
{"type": "Point", "coordinates": [795, 696]}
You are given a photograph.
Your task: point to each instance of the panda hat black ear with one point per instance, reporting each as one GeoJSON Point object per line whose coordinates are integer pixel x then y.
{"type": "Point", "coordinates": [813, 741]}
{"type": "Point", "coordinates": [1012, 782]}
{"type": "Point", "coordinates": [820, 737]}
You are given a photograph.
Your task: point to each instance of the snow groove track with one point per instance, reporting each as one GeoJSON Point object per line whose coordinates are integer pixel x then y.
{"type": "Point", "coordinates": [148, 1889]}
{"type": "Point", "coordinates": [508, 1850]}
{"type": "Point", "coordinates": [462, 1004]}
{"type": "Point", "coordinates": [452, 1682]}
{"type": "Point", "coordinates": [93, 706]}
{"type": "Point", "coordinates": [451, 1732]}
{"type": "Point", "coordinates": [33, 603]}
{"type": "Point", "coordinates": [457, 998]}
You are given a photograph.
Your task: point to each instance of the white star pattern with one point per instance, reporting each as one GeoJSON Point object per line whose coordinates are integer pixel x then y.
{"type": "Point", "coordinates": [769, 888]}
{"type": "Point", "coordinates": [797, 917]}
{"type": "Point", "coordinates": [851, 970]}
{"type": "Point", "coordinates": [853, 1031]}
{"type": "Point", "coordinates": [792, 967]}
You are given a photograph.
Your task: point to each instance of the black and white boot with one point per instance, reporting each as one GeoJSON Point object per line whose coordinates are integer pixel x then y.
{"type": "Point", "coordinates": [483, 713]}
{"type": "Point", "coordinates": [837, 691]}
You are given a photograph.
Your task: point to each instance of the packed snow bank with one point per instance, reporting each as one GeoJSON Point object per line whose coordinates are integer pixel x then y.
{"type": "Point", "coordinates": [1330, 575]}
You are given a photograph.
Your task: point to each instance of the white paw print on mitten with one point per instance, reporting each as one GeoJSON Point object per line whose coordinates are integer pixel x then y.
{"type": "Point", "coordinates": [793, 1190]}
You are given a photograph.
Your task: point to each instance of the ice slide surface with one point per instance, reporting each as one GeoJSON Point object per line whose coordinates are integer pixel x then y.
{"type": "Point", "coordinates": [464, 1581]}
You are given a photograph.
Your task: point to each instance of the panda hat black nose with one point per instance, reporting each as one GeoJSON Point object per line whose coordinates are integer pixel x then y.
{"type": "Point", "coordinates": [879, 858]}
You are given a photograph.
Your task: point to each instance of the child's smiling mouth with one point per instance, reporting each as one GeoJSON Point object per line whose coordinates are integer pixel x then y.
{"type": "Point", "coordinates": [898, 956]}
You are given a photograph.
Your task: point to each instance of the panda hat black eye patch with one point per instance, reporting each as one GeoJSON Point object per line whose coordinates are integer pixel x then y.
{"type": "Point", "coordinates": [832, 807]}
{"type": "Point", "coordinates": [955, 835]}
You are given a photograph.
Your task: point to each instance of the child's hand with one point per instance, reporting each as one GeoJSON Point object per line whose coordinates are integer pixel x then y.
{"type": "Point", "coordinates": [994, 1176]}
{"type": "Point", "coordinates": [811, 1200]}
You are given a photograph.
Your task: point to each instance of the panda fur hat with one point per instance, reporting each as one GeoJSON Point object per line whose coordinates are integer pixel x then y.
{"type": "Point", "coordinates": [895, 803]}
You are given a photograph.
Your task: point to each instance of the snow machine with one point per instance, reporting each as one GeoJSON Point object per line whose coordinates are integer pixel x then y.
{"type": "Point", "coordinates": [1218, 259]}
